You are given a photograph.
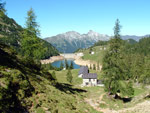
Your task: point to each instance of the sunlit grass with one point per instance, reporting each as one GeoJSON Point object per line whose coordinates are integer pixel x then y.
{"type": "Point", "coordinates": [97, 56]}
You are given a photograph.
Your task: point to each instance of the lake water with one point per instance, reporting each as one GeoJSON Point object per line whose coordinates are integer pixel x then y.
{"type": "Point", "coordinates": [57, 63]}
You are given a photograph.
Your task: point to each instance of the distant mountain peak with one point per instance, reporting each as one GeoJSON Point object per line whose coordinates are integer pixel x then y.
{"type": "Point", "coordinates": [96, 34]}
{"type": "Point", "coordinates": [92, 33]}
{"type": "Point", "coordinates": [72, 40]}
{"type": "Point", "coordinates": [70, 35]}
{"type": "Point", "coordinates": [72, 32]}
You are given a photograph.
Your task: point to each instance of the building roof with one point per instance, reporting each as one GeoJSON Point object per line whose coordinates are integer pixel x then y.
{"type": "Point", "coordinates": [90, 75]}
{"type": "Point", "coordinates": [83, 70]}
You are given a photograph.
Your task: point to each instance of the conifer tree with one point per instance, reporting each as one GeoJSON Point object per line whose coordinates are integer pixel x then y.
{"type": "Point", "coordinates": [31, 23]}
{"type": "Point", "coordinates": [114, 75]}
{"type": "Point", "coordinates": [69, 76]}
{"type": "Point", "coordinates": [54, 75]}
{"type": "Point", "coordinates": [71, 65]}
{"type": "Point", "coordinates": [31, 45]}
{"type": "Point", "coordinates": [66, 64]}
{"type": "Point", "coordinates": [61, 66]}
{"type": "Point", "coordinates": [117, 29]}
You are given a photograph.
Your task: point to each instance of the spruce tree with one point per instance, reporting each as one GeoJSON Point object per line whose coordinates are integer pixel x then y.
{"type": "Point", "coordinates": [145, 69]}
{"type": "Point", "coordinates": [54, 75]}
{"type": "Point", "coordinates": [117, 29]}
{"type": "Point", "coordinates": [61, 65]}
{"type": "Point", "coordinates": [69, 76]}
{"type": "Point", "coordinates": [31, 23]}
{"type": "Point", "coordinates": [31, 45]}
{"type": "Point", "coordinates": [71, 65]}
{"type": "Point", "coordinates": [66, 64]}
{"type": "Point", "coordinates": [114, 74]}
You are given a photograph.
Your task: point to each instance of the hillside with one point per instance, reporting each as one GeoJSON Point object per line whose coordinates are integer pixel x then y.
{"type": "Point", "coordinates": [99, 100]}
{"type": "Point", "coordinates": [26, 87]}
{"type": "Point", "coordinates": [10, 34]}
{"type": "Point", "coordinates": [134, 37]}
{"type": "Point", "coordinates": [99, 49]}
{"type": "Point", "coordinates": [71, 41]}
{"type": "Point", "coordinates": [9, 31]}
{"type": "Point", "coordinates": [95, 53]}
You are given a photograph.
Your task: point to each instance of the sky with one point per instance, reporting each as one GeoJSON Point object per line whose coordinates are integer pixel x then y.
{"type": "Point", "coordinates": [60, 16]}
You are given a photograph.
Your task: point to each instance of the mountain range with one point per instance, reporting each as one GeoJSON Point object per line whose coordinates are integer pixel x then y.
{"type": "Point", "coordinates": [71, 41]}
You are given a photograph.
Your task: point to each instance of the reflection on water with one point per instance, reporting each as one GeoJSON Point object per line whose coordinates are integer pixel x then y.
{"type": "Point", "coordinates": [57, 63]}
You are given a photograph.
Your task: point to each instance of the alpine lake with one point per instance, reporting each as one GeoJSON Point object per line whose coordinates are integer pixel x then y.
{"type": "Point", "coordinates": [58, 63]}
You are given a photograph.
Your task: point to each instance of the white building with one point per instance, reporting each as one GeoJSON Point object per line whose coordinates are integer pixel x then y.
{"type": "Point", "coordinates": [89, 79]}
{"type": "Point", "coordinates": [80, 54]}
{"type": "Point", "coordinates": [92, 52]}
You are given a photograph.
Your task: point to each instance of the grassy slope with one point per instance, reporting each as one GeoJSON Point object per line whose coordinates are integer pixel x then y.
{"type": "Point", "coordinates": [61, 76]}
{"type": "Point", "coordinates": [98, 56]}
{"type": "Point", "coordinates": [93, 94]}
{"type": "Point", "coordinates": [61, 99]}
{"type": "Point", "coordinates": [19, 77]}
{"type": "Point", "coordinates": [48, 95]}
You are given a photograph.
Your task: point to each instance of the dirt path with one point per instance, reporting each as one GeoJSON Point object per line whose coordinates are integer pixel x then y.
{"type": "Point", "coordinates": [95, 104]}
{"type": "Point", "coordinates": [143, 107]}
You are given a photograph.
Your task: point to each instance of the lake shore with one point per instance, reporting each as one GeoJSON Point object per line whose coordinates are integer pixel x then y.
{"type": "Point", "coordinates": [77, 59]}
{"type": "Point", "coordinates": [52, 59]}
{"type": "Point", "coordinates": [82, 62]}
{"type": "Point", "coordinates": [62, 57]}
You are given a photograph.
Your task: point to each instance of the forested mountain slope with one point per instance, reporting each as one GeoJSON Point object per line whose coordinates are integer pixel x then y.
{"type": "Point", "coordinates": [10, 34]}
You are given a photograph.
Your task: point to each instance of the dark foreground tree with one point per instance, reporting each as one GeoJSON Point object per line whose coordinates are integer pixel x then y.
{"type": "Point", "coordinates": [115, 76]}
